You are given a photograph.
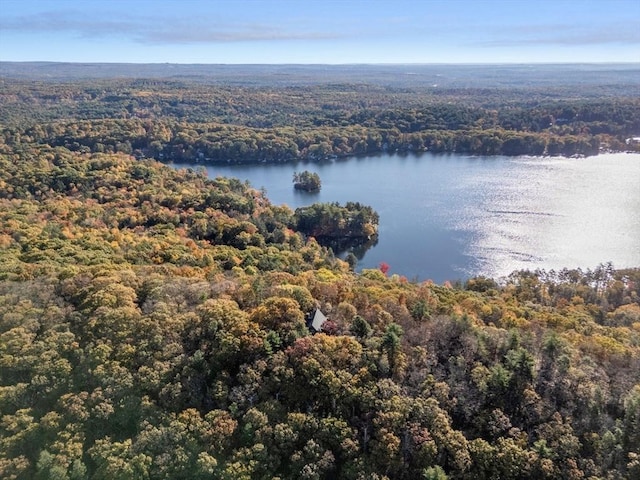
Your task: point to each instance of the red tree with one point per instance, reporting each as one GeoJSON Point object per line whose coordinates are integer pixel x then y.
{"type": "Point", "coordinates": [384, 267]}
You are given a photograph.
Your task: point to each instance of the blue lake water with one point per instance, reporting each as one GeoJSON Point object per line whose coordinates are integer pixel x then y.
{"type": "Point", "coordinates": [449, 217]}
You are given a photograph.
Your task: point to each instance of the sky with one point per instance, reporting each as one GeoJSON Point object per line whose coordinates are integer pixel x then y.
{"type": "Point", "coordinates": [324, 32]}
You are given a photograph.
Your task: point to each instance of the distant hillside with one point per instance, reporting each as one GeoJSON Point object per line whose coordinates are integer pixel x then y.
{"type": "Point", "coordinates": [602, 78]}
{"type": "Point", "coordinates": [182, 118]}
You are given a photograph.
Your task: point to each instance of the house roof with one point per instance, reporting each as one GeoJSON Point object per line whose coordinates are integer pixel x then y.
{"type": "Point", "coordinates": [318, 319]}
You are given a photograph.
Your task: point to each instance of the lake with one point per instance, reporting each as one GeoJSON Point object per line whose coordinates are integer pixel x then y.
{"type": "Point", "coordinates": [449, 217]}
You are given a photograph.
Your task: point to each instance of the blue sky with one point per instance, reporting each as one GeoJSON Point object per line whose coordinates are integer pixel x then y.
{"type": "Point", "coordinates": [327, 31]}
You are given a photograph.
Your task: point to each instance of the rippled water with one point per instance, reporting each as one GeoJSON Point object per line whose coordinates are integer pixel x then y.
{"type": "Point", "coordinates": [448, 217]}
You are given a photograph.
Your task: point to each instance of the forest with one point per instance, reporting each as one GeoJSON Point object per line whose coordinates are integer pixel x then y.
{"type": "Point", "coordinates": [185, 121]}
{"type": "Point", "coordinates": [154, 323]}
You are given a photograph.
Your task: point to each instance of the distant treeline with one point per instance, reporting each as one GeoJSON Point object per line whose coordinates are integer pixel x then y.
{"type": "Point", "coordinates": [196, 123]}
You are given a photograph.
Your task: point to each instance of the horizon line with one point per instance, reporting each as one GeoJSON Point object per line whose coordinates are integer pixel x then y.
{"type": "Point", "coordinates": [391, 64]}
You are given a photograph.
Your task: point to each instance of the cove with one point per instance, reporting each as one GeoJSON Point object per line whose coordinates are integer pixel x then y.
{"type": "Point", "coordinates": [450, 217]}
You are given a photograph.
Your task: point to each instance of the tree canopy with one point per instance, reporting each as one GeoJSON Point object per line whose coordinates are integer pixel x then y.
{"type": "Point", "coordinates": [191, 121]}
{"type": "Point", "coordinates": [152, 325]}
{"type": "Point", "coordinates": [307, 181]}
{"type": "Point", "coordinates": [153, 321]}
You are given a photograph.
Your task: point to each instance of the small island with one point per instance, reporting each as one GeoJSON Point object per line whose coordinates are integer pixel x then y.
{"type": "Point", "coordinates": [307, 181]}
{"type": "Point", "coordinates": [328, 222]}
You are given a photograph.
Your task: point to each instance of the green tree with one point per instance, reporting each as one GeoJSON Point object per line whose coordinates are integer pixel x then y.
{"type": "Point", "coordinates": [307, 181]}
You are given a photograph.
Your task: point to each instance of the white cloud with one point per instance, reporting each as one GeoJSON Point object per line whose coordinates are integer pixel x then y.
{"type": "Point", "coordinates": [570, 35]}
{"type": "Point", "coordinates": [154, 30]}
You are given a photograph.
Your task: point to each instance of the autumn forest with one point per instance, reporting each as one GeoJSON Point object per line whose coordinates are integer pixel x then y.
{"type": "Point", "coordinates": [155, 323]}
